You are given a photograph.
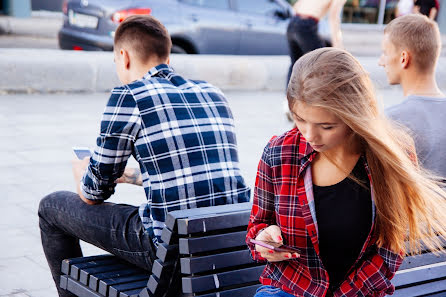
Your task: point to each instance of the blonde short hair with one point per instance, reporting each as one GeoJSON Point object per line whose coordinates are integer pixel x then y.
{"type": "Point", "coordinates": [418, 35]}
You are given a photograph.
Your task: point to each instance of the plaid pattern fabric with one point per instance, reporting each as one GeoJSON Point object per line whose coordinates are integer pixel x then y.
{"type": "Point", "coordinates": [283, 196]}
{"type": "Point", "coordinates": [181, 132]}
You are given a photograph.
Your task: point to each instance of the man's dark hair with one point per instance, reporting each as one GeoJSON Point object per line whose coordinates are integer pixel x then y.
{"type": "Point", "coordinates": [145, 35]}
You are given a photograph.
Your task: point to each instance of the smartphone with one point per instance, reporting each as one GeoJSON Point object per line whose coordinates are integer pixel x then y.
{"type": "Point", "coordinates": [82, 152]}
{"type": "Point", "coordinates": [276, 247]}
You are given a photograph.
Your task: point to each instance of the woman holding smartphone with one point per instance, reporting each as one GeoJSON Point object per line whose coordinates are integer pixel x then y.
{"type": "Point", "coordinates": [343, 187]}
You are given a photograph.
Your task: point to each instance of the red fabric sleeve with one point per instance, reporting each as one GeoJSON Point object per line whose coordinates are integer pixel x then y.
{"type": "Point", "coordinates": [262, 213]}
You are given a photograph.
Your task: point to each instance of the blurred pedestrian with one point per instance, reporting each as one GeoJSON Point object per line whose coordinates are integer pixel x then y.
{"type": "Point", "coordinates": [302, 32]}
{"type": "Point", "coordinates": [427, 7]}
{"type": "Point", "coordinates": [404, 7]}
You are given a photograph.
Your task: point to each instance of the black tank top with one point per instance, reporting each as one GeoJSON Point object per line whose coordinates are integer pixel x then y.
{"type": "Point", "coordinates": [344, 219]}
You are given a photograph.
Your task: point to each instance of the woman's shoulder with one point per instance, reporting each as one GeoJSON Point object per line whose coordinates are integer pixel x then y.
{"type": "Point", "coordinates": [286, 148]}
{"type": "Point", "coordinates": [289, 138]}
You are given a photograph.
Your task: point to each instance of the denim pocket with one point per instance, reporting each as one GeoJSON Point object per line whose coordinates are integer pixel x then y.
{"type": "Point", "coordinates": [269, 291]}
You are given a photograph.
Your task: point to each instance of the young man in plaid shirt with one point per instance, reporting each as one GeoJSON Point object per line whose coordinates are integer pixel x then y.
{"type": "Point", "coordinates": [180, 131]}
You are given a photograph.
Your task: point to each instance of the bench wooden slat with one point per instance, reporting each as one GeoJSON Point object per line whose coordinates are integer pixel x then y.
{"type": "Point", "coordinates": [161, 269]}
{"type": "Point", "coordinates": [196, 284]}
{"type": "Point", "coordinates": [193, 245]}
{"type": "Point", "coordinates": [63, 281]}
{"type": "Point", "coordinates": [80, 290]}
{"type": "Point", "coordinates": [212, 222]}
{"type": "Point", "coordinates": [95, 280]}
{"type": "Point", "coordinates": [168, 236]}
{"type": "Point", "coordinates": [86, 272]}
{"type": "Point", "coordinates": [240, 292]}
{"type": "Point", "coordinates": [427, 289]}
{"type": "Point", "coordinates": [425, 273]}
{"type": "Point", "coordinates": [75, 268]}
{"type": "Point", "coordinates": [156, 286]}
{"type": "Point", "coordinates": [114, 290]}
{"type": "Point", "coordinates": [104, 284]}
{"type": "Point", "coordinates": [184, 213]}
{"type": "Point", "coordinates": [166, 252]}
{"type": "Point", "coordinates": [66, 263]}
{"type": "Point", "coordinates": [191, 265]}
{"type": "Point", "coordinates": [130, 293]}
{"type": "Point", "coordinates": [145, 293]}
{"type": "Point", "coordinates": [422, 259]}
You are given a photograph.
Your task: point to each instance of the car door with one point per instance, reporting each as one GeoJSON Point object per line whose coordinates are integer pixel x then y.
{"type": "Point", "coordinates": [212, 25]}
{"type": "Point", "coordinates": [263, 27]}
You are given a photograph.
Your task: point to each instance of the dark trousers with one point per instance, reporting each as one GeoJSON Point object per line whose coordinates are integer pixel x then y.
{"type": "Point", "coordinates": [303, 37]}
{"type": "Point", "coordinates": [64, 219]}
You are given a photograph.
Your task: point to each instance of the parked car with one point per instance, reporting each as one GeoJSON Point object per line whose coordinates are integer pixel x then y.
{"type": "Point", "coordinates": [243, 27]}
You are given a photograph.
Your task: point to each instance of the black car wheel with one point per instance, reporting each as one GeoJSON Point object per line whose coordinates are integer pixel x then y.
{"type": "Point", "coordinates": [176, 49]}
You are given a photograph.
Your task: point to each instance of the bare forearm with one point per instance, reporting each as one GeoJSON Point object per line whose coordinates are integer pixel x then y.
{"type": "Point", "coordinates": [131, 176]}
{"type": "Point", "coordinates": [433, 13]}
{"type": "Point", "coordinates": [335, 22]}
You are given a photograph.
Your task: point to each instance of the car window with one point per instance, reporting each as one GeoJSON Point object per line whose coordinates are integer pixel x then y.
{"type": "Point", "coordinates": [258, 6]}
{"type": "Point", "coordinates": [218, 4]}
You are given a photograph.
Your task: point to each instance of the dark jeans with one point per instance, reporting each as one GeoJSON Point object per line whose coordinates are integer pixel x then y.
{"type": "Point", "coordinates": [266, 291]}
{"type": "Point", "coordinates": [64, 219]}
{"type": "Point", "coordinates": [303, 37]}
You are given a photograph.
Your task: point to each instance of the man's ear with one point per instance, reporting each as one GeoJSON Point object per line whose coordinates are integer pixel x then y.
{"type": "Point", "coordinates": [126, 58]}
{"type": "Point", "coordinates": [405, 59]}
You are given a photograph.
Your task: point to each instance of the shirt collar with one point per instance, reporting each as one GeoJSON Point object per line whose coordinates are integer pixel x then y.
{"type": "Point", "coordinates": [161, 70]}
{"type": "Point", "coordinates": [306, 152]}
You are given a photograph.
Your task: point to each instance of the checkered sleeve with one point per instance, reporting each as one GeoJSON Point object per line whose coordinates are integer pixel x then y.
{"type": "Point", "coordinates": [373, 276]}
{"type": "Point", "coordinates": [120, 125]}
{"type": "Point", "coordinates": [262, 213]}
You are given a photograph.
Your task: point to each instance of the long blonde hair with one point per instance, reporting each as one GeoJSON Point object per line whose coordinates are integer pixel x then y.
{"type": "Point", "coordinates": [410, 204]}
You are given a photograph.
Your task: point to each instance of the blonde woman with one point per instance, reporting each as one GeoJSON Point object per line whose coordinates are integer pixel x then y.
{"type": "Point", "coordinates": [343, 189]}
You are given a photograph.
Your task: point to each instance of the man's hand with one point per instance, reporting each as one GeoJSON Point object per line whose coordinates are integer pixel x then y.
{"type": "Point", "coordinates": [131, 176]}
{"type": "Point", "coordinates": [79, 167]}
{"type": "Point", "coordinates": [273, 234]}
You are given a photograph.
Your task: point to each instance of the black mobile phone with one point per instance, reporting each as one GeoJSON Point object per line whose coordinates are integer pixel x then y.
{"type": "Point", "coordinates": [276, 247]}
{"type": "Point", "coordinates": [82, 152]}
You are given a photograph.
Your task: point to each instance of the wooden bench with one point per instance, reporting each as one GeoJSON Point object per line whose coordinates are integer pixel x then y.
{"type": "Point", "coordinates": [207, 246]}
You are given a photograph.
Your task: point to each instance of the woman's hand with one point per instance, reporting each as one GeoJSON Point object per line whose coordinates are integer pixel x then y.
{"type": "Point", "coordinates": [273, 236]}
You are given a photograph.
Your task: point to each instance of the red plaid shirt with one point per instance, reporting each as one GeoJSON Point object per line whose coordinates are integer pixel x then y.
{"type": "Point", "coordinates": [283, 196]}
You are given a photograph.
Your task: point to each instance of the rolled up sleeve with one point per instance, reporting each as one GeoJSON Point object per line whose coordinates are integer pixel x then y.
{"type": "Point", "coordinates": [120, 125]}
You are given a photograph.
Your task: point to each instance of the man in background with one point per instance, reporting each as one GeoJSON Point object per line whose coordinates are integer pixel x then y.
{"type": "Point", "coordinates": [410, 51]}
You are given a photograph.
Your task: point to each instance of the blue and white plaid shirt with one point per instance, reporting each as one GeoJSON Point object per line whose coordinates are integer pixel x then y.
{"type": "Point", "coordinates": [181, 132]}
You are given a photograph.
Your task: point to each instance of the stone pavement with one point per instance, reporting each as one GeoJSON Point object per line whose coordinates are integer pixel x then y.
{"type": "Point", "coordinates": [38, 133]}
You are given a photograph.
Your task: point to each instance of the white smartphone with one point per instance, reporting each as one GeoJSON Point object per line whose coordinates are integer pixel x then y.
{"type": "Point", "coordinates": [82, 152]}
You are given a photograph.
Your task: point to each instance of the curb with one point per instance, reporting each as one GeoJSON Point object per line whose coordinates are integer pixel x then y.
{"type": "Point", "coordinates": [50, 71]}
{"type": "Point", "coordinates": [43, 25]}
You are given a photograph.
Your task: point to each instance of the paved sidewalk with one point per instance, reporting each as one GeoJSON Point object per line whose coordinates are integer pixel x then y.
{"type": "Point", "coordinates": [38, 133]}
